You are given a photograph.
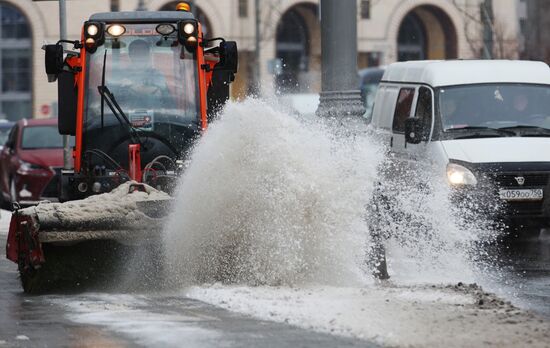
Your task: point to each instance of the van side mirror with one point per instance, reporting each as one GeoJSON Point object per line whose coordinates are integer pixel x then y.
{"type": "Point", "coordinates": [229, 57]}
{"type": "Point", "coordinates": [53, 61]}
{"type": "Point", "coordinates": [414, 129]}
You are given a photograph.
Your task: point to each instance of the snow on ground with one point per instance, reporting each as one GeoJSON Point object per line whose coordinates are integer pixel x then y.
{"type": "Point", "coordinates": [123, 314]}
{"type": "Point", "coordinates": [5, 217]}
{"type": "Point", "coordinates": [284, 208]}
{"type": "Point", "coordinates": [426, 316]}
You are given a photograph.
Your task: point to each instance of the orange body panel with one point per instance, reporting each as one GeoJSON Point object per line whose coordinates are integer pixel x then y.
{"type": "Point", "coordinates": [205, 79]}
{"type": "Point", "coordinates": [203, 84]}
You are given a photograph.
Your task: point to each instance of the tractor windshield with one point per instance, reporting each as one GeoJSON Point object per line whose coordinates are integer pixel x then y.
{"type": "Point", "coordinates": [154, 81]}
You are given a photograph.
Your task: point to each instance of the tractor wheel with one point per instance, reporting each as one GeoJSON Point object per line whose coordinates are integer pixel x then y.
{"type": "Point", "coordinates": [34, 281]}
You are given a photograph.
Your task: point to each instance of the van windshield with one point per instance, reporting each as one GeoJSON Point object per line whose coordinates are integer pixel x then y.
{"type": "Point", "coordinates": [495, 106]}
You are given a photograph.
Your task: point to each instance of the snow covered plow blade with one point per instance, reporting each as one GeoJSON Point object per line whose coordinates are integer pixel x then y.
{"type": "Point", "coordinates": [55, 243]}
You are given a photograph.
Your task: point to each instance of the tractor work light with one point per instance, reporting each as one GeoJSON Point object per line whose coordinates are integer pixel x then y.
{"type": "Point", "coordinates": [183, 6]}
{"type": "Point", "coordinates": [116, 30]}
{"type": "Point", "coordinates": [188, 33]}
{"type": "Point", "coordinates": [165, 29]}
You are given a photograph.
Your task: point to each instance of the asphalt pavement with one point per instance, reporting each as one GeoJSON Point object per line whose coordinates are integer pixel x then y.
{"type": "Point", "coordinates": [525, 272]}
{"type": "Point", "coordinates": [127, 320]}
{"type": "Point", "coordinates": [111, 319]}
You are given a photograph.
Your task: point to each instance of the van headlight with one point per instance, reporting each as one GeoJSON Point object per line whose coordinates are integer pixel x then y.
{"type": "Point", "coordinates": [459, 175]}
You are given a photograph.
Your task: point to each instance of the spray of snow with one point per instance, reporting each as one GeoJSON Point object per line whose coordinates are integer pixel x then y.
{"type": "Point", "coordinates": [271, 198]}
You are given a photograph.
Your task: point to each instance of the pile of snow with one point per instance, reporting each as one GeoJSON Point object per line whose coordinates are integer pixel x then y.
{"type": "Point", "coordinates": [426, 316]}
{"type": "Point", "coordinates": [125, 314]}
{"type": "Point", "coordinates": [116, 208]}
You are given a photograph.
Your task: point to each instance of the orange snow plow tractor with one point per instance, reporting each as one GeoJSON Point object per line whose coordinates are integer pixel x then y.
{"type": "Point", "coordinates": [135, 91]}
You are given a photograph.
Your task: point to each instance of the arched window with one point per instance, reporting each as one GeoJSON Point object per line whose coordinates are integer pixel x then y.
{"type": "Point", "coordinates": [293, 47]}
{"type": "Point", "coordinates": [427, 32]}
{"type": "Point", "coordinates": [15, 64]}
{"type": "Point", "coordinates": [411, 41]}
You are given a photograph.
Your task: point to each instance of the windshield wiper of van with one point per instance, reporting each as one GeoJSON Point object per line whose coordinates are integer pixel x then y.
{"type": "Point", "coordinates": [119, 114]}
{"type": "Point", "coordinates": [529, 131]}
{"type": "Point", "coordinates": [480, 132]}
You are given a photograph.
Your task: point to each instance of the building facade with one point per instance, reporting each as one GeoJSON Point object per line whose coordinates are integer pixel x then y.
{"type": "Point", "coordinates": [289, 39]}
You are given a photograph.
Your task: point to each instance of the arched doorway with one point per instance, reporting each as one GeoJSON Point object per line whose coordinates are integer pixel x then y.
{"type": "Point", "coordinates": [199, 14]}
{"type": "Point", "coordinates": [426, 32]}
{"type": "Point", "coordinates": [15, 64]}
{"type": "Point", "coordinates": [412, 39]}
{"type": "Point", "coordinates": [298, 48]}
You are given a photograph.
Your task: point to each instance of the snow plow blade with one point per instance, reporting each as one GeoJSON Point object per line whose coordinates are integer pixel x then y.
{"type": "Point", "coordinates": [132, 215]}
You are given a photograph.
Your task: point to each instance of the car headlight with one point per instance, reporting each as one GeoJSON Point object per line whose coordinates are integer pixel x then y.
{"type": "Point", "coordinates": [26, 167]}
{"type": "Point", "coordinates": [458, 175]}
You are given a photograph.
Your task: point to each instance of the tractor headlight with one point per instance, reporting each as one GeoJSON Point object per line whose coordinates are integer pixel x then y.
{"type": "Point", "coordinates": [94, 35]}
{"type": "Point", "coordinates": [458, 175]}
{"type": "Point", "coordinates": [92, 30]}
{"type": "Point", "coordinates": [189, 28]}
{"type": "Point", "coordinates": [188, 33]}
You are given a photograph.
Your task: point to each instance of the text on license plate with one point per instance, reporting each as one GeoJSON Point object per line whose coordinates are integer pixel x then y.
{"type": "Point", "coordinates": [522, 195]}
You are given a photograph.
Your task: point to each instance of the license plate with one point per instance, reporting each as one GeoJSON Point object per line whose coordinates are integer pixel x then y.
{"type": "Point", "coordinates": [522, 195]}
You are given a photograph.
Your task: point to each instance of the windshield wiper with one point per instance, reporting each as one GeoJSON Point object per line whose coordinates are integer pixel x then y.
{"type": "Point", "coordinates": [480, 132]}
{"type": "Point", "coordinates": [532, 131]}
{"type": "Point", "coordinates": [119, 114]}
{"type": "Point", "coordinates": [103, 85]}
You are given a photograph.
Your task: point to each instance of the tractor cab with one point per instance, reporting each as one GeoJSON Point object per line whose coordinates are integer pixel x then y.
{"type": "Point", "coordinates": [136, 91]}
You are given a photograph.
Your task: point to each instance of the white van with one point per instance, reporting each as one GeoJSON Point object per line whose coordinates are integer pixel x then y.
{"type": "Point", "coordinates": [483, 124]}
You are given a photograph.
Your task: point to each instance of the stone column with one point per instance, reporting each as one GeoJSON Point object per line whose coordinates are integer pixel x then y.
{"type": "Point", "coordinates": [340, 96]}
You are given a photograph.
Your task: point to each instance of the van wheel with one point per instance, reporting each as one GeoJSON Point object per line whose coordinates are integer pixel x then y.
{"type": "Point", "coordinates": [34, 281]}
{"type": "Point", "coordinates": [376, 256]}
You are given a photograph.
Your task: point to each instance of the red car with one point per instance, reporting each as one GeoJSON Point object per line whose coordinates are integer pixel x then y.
{"type": "Point", "coordinates": [30, 163]}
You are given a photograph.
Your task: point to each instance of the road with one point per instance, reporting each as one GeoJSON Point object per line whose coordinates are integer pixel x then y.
{"type": "Point", "coordinates": [165, 319]}
{"type": "Point", "coordinates": [526, 272]}
{"type": "Point", "coordinates": [122, 320]}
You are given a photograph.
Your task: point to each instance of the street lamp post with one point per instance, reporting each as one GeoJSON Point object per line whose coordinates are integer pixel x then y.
{"type": "Point", "coordinates": [141, 6]}
{"type": "Point", "coordinates": [340, 96]}
{"type": "Point", "coordinates": [67, 156]}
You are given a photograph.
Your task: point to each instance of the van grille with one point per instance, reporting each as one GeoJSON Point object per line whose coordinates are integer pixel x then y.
{"type": "Point", "coordinates": [509, 180]}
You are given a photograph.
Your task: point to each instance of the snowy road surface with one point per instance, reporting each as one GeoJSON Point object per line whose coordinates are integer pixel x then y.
{"type": "Point", "coordinates": [224, 316]}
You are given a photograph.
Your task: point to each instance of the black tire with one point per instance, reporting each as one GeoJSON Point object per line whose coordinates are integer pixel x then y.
{"type": "Point", "coordinates": [35, 281]}
{"type": "Point", "coordinates": [376, 256]}
{"type": "Point", "coordinates": [71, 268]}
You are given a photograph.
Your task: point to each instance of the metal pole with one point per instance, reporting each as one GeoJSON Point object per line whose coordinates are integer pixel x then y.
{"type": "Point", "coordinates": [141, 6]}
{"type": "Point", "coordinates": [340, 96]}
{"type": "Point", "coordinates": [257, 47]}
{"type": "Point", "coordinates": [488, 31]}
{"type": "Point", "coordinates": [67, 156]}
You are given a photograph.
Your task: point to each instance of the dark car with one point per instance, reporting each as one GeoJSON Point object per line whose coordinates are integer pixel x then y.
{"type": "Point", "coordinates": [369, 80]}
{"type": "Point", "coordinates": [5, 127]}
{"type": "Point", "coordinates": [30, 162]}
